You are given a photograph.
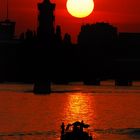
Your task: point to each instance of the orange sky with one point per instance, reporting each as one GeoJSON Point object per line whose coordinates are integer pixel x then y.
{"type": "Point", "coordinates": [125, 14]}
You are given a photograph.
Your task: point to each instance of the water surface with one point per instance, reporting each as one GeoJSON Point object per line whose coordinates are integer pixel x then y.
{"type": "Point", "coordinates": [112, 112]}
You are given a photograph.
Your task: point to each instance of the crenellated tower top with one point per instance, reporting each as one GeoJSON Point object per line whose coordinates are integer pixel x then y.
{"type": "Point", "coordinates": [46, 20]}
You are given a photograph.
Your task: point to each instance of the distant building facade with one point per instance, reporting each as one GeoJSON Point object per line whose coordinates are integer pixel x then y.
{"type": "Point", "coordinates": [129, 39]}
{"type": "Point", "coordinates": [7, 30]}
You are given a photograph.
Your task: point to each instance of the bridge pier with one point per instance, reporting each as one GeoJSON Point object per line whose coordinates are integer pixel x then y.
{"type": "Point", "coordinates": [123, 82]}
{"type": "Point", "coordinates": [42, 87]}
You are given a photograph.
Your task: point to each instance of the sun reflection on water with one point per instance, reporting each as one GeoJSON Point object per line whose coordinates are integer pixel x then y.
{"type": "Point", "coordinates": [79, 107]}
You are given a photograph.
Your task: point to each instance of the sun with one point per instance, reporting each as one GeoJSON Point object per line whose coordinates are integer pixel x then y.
{"type": "Point", "coordinates": [80, 8]}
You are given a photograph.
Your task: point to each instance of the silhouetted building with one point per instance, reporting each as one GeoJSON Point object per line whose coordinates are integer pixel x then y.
{"type": "Point", "coordinates": [97, 42]}
{"type": "Point", "coordinates": [58, 37]}
{"type": "Point", "coordinates": [46, 37]}
{"type": "Point", "coordinates": [46, 21]}
{"type": "Point", "coordinates": [127, 63]}
{"type": "Point", "coordinates": [131, 39]}
{"type": "Point", "coordinates": [131, 43]}
{"type": "Point", "coordinates": [67, 40]}
{"type": "Point", "coordinates": [97, 37]}
{"type": "Point", "coordinates": [7, 30]}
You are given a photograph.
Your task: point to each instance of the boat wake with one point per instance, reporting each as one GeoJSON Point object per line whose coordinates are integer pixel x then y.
{"type": "Point", "coordinates": [125, 131]}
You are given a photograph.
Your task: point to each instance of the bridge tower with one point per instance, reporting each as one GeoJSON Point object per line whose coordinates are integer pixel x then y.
{"type": "Point", "coordinates": [46, 20]}
{"type": "Point", "coordinates": [45, 35]}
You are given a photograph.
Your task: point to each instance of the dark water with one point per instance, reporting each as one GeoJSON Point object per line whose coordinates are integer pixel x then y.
{"type": "Point", "coordinates": [112, 112]}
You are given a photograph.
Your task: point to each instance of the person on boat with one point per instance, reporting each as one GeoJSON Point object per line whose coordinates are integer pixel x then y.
{"type": "Point", "coordinates": [75, 128]}
{"type": "Point", "coordinates": [62, 128]}
{"type": "Point", "coordinates": [68, 126]}
{"type": "Point", "coordinates": [81, 126]}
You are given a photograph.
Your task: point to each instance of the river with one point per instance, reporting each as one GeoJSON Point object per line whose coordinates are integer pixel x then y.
{"type": "Point", "coordinates": [112, 112]}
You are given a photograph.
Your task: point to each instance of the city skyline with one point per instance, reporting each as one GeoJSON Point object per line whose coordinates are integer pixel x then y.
{"type": "Point", "coordinates": [124, 15]}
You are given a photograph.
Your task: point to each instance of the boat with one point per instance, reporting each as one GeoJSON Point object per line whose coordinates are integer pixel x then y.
{"type": "Point", "coordinates": [75, 131]}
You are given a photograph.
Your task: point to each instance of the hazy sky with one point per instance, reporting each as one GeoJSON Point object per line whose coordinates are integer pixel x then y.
{"type": "Point", "coordinates": [125, 14]}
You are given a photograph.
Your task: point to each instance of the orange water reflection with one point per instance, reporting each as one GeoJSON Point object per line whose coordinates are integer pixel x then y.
{"type": "Point", "coordinates": [110, 111]}
{"type": "Point", "coordinates": [79, 107]}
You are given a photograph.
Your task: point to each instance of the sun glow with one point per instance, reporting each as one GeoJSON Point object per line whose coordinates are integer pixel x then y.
{"type": "Point", "coordinates": [78, 107]}
{"type": "Point", "coordinates": [80, 8]}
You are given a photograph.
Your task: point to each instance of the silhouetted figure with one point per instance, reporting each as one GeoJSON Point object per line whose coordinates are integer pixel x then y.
{"type": "Point", "coordinates": [75, 129]}
{"type": "Point", "coordinates": [62, 128]}
{"type": "Point", "coordinates": [68, 126]}
{"type": "Point", "coordinates": [76, 133]}
{"type": "Point", "coordinates": [82, 126]}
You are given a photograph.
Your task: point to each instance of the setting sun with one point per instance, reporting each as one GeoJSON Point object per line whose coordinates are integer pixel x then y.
{"type": "Point", "coordinates": [80, 8]}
